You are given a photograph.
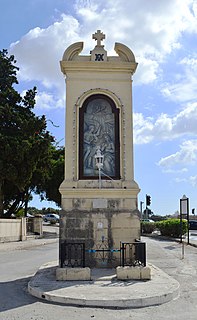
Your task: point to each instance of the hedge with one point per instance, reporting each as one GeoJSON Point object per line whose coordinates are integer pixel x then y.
{"type": "Point", "coordinates": [172, 227]}
{"type": "Point", "coordinates": [147, 227]}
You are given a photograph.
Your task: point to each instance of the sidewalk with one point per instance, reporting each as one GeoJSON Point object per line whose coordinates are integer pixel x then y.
{"type": "Point", "coordinates": [104, 290]}
{"type": "Point", "coordinates": [31, 242]}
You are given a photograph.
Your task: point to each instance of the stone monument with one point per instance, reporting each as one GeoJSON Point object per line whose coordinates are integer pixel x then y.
{"type": "Point", "coordinates": [99, 194]}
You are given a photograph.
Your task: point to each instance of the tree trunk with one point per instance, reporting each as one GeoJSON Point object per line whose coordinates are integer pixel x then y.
{"type": "Point", "coordinates": [1, 198]}
{"type": "Point", "coordinates": [26, 197]}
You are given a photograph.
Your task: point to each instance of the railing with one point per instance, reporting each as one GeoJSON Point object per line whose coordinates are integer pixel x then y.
{"type": "Point", "coordinates": [73, 255]}
{"type": "Point", "coordinates": [133, 254]}
{"type": "Point", "coordinates": [104, 256]}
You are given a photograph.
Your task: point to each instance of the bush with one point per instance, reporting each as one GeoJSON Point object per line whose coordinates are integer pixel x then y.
{"type": "Point", "coordinates": [147, 227]}
{"type": "Point", "coordinates": [20, 213]}
{"type": "Point", "coordinates": [171, 227]}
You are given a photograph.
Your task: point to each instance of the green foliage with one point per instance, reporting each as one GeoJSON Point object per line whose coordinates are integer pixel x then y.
{"type": "Point", "coordinates": [44, 211]}
{"type": "Point", "coordinates": [34, 211]}
{"type": "Point", "coordinates": [20, 213]}
{"type": "Point", "coordinates": [147, 227]}
{"type": "Point", "coordinates": [48, 188]}
{"type": "Point", "coordinates": [171, 227]}
{"type": "Point", "coordinates": [26, 149]}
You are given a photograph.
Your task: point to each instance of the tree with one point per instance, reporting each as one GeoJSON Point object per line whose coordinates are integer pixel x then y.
{"type": "Point", "coordinates": [48, 187]}
{"type": "Point", "coordinates": [25, 144]}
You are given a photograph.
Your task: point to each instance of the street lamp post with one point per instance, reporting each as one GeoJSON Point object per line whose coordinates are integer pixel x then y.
{"type": "Point", "coordinates": [99, 163]}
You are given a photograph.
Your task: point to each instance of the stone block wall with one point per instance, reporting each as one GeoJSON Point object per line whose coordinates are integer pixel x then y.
{"type": "Point", "coordinates": [99, 229]}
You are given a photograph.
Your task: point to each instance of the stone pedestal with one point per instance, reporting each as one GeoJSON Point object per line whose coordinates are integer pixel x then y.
{"type": "Point", "coordinates": [73, 274]}
{"type": "Point", "coordinates": [133, 273]}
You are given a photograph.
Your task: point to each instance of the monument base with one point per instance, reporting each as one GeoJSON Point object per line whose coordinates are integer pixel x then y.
{"type": "Point", "coordinates": [133, 273]}
{"type": "Point", "coordinates": [73, 274]}
{"type": "Point", "coordinates": [122, 273]}
{"type": "Point", "coordinates": [94, 223]}
{"type": "Point", "coordinates": [93, 238]}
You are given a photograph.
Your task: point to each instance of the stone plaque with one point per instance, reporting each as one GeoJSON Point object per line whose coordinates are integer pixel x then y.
{"type": "Point", "coordinates": [99, 225]}
{"type": "Point", "coordinates": [99, 203]}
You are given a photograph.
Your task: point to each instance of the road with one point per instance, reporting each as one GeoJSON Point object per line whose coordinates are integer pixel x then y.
{"type": "Point", "coordinates": [17, 266]}
{"type": "Point", "coordinates": [193, 235]}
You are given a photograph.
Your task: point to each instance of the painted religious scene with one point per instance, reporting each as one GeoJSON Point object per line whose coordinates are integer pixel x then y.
{"type": "Point", "coordinates": [99, 133]}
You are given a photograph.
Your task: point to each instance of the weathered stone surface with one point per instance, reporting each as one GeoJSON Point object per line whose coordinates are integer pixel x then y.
{"type": "Point", "coordinates": [133, 273]}
{"type": "Point", "coordinates": [145, 273]}
{"type": "Point", "coordinates": [74, 274]}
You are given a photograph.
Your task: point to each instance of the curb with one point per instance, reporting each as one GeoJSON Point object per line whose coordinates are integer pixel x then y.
{"type": "Point", "coordinates": [111, 294]}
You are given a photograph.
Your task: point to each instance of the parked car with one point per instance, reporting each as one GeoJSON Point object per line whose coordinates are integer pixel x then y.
{"type": "Point", "coordinates": [29, 215]}
{"type": "Point", "coordinates": [51, 217]}
{"type": "Point", "coordinates": [193, 224]}
{"type": "Point", "coordinates": [147, 220]}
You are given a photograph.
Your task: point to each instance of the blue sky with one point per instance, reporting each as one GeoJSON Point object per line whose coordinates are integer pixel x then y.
{"type": "Point", "coordinates": [163, 36]}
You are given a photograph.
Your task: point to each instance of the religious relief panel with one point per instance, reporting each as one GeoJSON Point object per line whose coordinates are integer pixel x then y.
{"type": "Point", "coordinates": [99, 130]}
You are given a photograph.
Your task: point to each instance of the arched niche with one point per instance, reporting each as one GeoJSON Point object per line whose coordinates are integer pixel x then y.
{"type": "Point", "coordinates": [99, 128]}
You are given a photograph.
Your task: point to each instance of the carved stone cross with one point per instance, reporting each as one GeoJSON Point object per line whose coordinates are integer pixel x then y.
{"type": "Point", "coordinates": [98, 36]}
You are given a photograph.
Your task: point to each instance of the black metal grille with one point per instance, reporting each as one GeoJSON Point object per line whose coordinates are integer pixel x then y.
{"type": "Point", "coordinates": [72, 255]}
{"type": "Point", "coordinates": [133, 254]}
{"type": "Point", "coordinates": [102, 254]}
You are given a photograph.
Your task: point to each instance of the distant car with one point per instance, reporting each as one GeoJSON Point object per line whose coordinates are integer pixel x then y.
{"type": "Point", "coordinates": [51, 217]}
{"type": "Point", "coordinates": [147, 220]}
{"type": "Point", "coordinates": [29, 215]}
{"type": "Point", "coordinates": [193, 224]}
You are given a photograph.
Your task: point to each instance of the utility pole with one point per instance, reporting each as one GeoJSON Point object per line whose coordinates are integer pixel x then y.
{"type": "Point", "coordinates": [141, 204]}
{"type": "Point", "coordinates": [148, 202]}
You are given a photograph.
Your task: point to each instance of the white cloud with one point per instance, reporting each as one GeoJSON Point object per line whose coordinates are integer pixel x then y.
{"type": "Point", "coordinates": [165, 127]}
{"type": "Point", "coordinates": [39, 51]}
{"type": "Point", "coordinates": [143, 129]}
{"type": "Point", "coordinates": [180, 171]}
{"type": "Point", "coordinates": [193, 180]}
{"type": "Point", "coordinates": [147, 70]}
{"type": "Point", "coordinates": [152, 29]}
{"type": "Point", "coordinates": [184, 88]}
{"type": "Point", "coordinates": [181, 180]}
{"type": "Point", "coordinates": [192, 62]}
{"type": "Point", "coordinates": [45, 100]}
{"type": "Point", "coordinates": [185, 121]}
{"type": "Point", "coordinates": [186, 155]}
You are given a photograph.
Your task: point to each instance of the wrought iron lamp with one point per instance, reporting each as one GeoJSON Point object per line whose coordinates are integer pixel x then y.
{"type": "Point", "coordinates": [99, 163]}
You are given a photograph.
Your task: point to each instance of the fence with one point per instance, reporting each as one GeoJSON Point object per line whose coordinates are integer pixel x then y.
{"type": "Point", "coordinates": [131, 254]}
{"type": "Point", "coordinates": [73, 255]}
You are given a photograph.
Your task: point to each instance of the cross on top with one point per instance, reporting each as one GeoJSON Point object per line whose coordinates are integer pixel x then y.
{"type": "Point", "coordinates": [98, 36]}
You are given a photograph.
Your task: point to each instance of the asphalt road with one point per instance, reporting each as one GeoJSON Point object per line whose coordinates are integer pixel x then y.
{"type": "Point", "coordinates": [18, 265]}
{"type": "Point", "coordinates": [193, 235]}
